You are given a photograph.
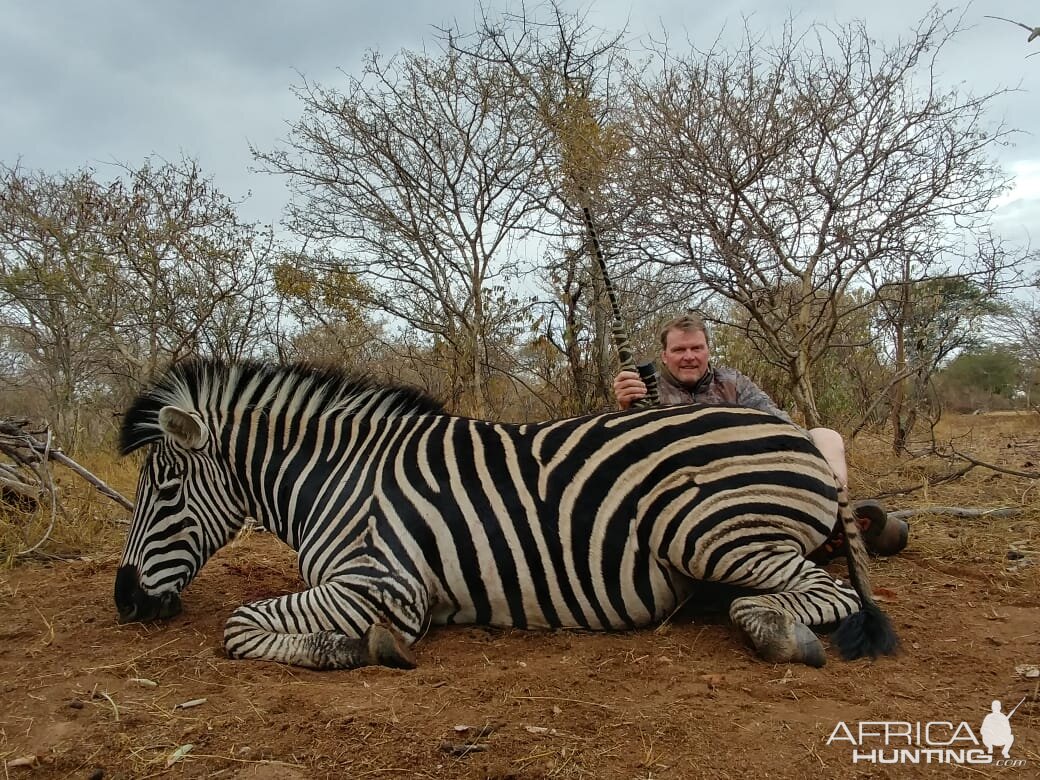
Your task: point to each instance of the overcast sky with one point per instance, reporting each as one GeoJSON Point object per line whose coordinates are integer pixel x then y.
{"type": "Point", "coordinates": [88, 83]}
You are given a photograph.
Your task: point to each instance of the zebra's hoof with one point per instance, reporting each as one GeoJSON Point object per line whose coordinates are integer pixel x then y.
{"type": "Point", "coordinates": [779, 638]}
{"type": "Point", "coordinates": [795, 643]}
{"type": "Point", "coordinates": [809, 648]}
{"type": "Point", "coordinates": [382, 647]}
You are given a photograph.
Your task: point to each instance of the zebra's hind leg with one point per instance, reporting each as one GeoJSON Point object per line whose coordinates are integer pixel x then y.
{"type": "Point", "coordinates": [778, 622]}
{"type": "Point", "coordinates": [335, 625]}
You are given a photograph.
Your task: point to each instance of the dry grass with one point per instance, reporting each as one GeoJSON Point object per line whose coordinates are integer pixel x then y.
{"type": "Point", "coordinates": [1008, 441]}
{"type": "Point", "coordinates": [1011, 443]}
{"type": "Point", "coordinates": [87, 523]}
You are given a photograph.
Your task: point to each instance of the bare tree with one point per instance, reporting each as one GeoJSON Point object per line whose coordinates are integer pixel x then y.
{"type": "Point", "coordinates": [188, 276]}
{"type": "Point", "coordinates": [1017, 328]}
{"type": "Point", "coordinates": [568, 76]}
{"type": "Point", "coordinates": [423, 180]}
{"type": "Point", "coordinates": [924, 321]}
{"type": "Point", "coordinates": [786, 176]}
{"type": "Point", "coordinates": [101, 283]}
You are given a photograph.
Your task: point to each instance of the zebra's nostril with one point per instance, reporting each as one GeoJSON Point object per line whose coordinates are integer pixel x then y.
{"type": "Point", "coordinates": [169, 604]}
{"type": "Point", "coordinates": [135, 604]}
{"type": "Point", "coordinates": [127, 587]}
{"type": "Point", "coordinates": [128, 616]}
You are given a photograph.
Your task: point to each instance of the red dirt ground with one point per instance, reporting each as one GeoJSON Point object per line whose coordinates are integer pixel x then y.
{"type": "Point", "coordinates": [688, 700]}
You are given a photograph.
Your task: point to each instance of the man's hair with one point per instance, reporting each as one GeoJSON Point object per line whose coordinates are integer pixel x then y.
{"type": "Point", "coordinates": [691, 322]}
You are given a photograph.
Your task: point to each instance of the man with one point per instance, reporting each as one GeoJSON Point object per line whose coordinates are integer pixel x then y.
{"type": "Point", "coordinates": [688, 376]}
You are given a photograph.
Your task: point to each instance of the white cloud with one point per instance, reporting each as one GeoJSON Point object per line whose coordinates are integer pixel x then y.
{"type": "Point", "coordinates": [88, 83]}
{"type": "Point", "coordinates": [1017, 212]}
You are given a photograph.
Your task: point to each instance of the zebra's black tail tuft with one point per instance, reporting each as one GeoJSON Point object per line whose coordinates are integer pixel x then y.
{"type": "Point", "coordinates": [869, 632]}
{"type": "Point", "coordinates": [865, 634]}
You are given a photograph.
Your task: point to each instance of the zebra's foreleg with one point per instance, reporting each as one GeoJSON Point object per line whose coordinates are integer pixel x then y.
{"type": "Point", "coordinates": [330, 626]}
{"type": "Point", "coordinates": [378, 646]}
{"type": "Point", "coordinates": [778, 623]}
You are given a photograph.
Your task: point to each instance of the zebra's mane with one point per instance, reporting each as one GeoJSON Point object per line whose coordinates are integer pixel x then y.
{"type": "Point", "coordinates": [212, 388]}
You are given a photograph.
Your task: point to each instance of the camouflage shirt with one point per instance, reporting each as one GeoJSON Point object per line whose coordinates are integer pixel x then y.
{"type": "Point", "coordinates": [718, 386]}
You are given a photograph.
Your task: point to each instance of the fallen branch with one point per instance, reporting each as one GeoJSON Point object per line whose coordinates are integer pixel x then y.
{"type": "Point", "coordinates": [69, 463]}
{"type": "Point", "coordinates": [26, 479]}
{"type": "Point", "coordinates": [971, 463]}
{"type": "Point", "coordinates": [994, 467]}
{"type": "Point", "coordinates": [30, 458]}
{"type": "Point", "coordinates": [23, 492]}
{"type": "Point", "coordinates": [931, 482]}
{"type": "Point", "coordinates": [52, 491]}
{"type": "Point", "coordinates": [956, 511]}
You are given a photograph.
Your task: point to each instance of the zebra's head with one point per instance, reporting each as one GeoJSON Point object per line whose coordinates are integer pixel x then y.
{"type": "Point", "coordinates": [187, 507]}
{"type": "Point", "coordinates": [207, 424]}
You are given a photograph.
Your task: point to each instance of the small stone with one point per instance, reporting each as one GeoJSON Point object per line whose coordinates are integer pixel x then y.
{"type": "Point", "coordinates": [76, 704]}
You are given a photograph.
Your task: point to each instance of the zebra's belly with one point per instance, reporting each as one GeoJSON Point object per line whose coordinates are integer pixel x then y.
{"type": "Point", "coordinates": [601, 603]}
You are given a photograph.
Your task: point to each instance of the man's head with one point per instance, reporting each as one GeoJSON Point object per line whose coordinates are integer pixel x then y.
{"type": "Point", "coordinates": [684, 348]}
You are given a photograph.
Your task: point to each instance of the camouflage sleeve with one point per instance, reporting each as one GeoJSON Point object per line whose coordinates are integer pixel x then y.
{"type": "Point", "coordinates": [751, 395]}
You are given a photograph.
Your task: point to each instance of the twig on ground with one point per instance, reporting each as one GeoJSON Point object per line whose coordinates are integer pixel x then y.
{"type": "Point", "coordinates": [931, 482]}
{"type": "Point", "coordinates": [463, 748]}
{"type": "Point", "coordinates": [53, 491]}
{"type": "Point", "coordinates": [111, 701]}
{"type": "Point", "coordinates": [994, 467]}
{"type": "Point", "coordinates": [956, 511]}
{"type": "Point", "coordinates": [971, 462]}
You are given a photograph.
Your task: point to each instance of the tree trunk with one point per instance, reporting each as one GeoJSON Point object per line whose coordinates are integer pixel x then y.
{"type": "Point", "coordinates": [899, 430]}
{"type": "Point", "coordinates": [804, 396]}
{"type": "Point", "coordinates": [582, 392]}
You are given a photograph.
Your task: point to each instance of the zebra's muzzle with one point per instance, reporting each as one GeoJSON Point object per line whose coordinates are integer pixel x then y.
{"type": "Point", "coordinates": [136, 605]}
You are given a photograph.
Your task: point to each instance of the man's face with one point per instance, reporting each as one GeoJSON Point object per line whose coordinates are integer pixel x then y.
{"type": "Point", "coordinates": [686, 355]}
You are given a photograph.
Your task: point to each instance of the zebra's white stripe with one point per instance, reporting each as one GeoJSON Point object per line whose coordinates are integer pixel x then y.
{"type": "Point", "coordinates": [532, 514]}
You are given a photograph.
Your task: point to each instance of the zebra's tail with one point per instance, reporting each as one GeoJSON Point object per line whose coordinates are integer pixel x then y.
{"type": "Point", "coordinates": [620, 334]}
{"type": "Point", "coordinates": [868, 632]}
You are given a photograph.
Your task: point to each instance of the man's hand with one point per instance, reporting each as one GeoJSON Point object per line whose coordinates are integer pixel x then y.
{"type": "Point", "coordinates": [628, 388]}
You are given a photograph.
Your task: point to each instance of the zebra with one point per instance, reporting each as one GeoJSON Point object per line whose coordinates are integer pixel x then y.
{"type": "Point", "coordinates": [619, 334]}
{"type": "Point", "coordinates": [405, 516]}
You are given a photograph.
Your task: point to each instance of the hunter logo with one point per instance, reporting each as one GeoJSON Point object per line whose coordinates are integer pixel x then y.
{"type": "Point", "coordinates": [996, 729]}
{"type": "Point", "coordinates": [931, 742]}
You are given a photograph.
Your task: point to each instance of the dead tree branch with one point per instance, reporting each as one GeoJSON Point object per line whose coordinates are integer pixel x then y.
{"type": "Point", "coordinates": [930, 482]}
{"type": "Point", "coordinates": [69, 463]}
{"type": "Point", "coordinates": [26, 479]}
{"type": "Point", "coordinates": [956, 511]}
{"type": "Point", "coordinates": [994, 467]}
{"type": "Point", "coordinates": [52, 491]}
{"type": "Point", "coordinates": [970, 463]}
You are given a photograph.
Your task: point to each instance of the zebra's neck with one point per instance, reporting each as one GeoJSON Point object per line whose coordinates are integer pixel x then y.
{"type": "Point", "coordinates": [298, 473]}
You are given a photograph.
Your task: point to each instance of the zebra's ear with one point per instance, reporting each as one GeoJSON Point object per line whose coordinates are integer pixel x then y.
{"type": "Point", "coordinates": [185, 428]}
